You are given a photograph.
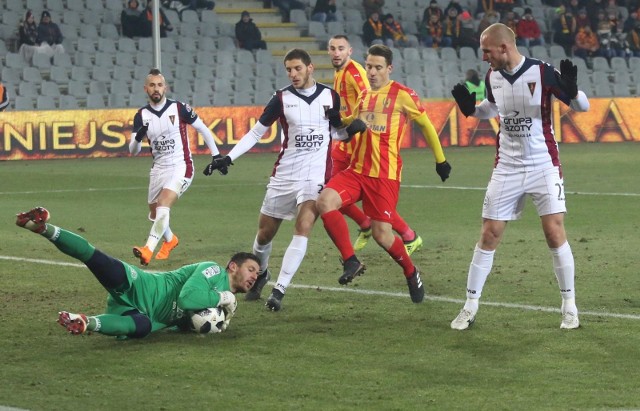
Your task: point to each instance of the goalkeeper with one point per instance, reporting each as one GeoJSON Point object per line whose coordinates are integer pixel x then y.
{"type": "Point", "coordinates": [139, 302]}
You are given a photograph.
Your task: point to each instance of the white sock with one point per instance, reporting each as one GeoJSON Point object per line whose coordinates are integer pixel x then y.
{"type": "Point", "coordinates": [291, 261]}
{"type": "Point", "coordinates": [262, 252]}
{"type": "Point", "coordinates": [564, 268]}
{"type": "Point", "coordinates": [168, 234]}
{"type": "Point", "coordinates": [479, 270]}
{"type": "Point", "coordinates": [159, 227]}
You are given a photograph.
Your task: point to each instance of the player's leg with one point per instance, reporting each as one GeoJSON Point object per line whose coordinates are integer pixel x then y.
{"type": "Point", "coordinates": [412, 241]}
{"type": "Point", "coordinates": [132, 324]}
{"type": "Point", "coordinates": [548, 196]}
{"type": "Point", "coordinates": [262, 245]}
{"type": "Point", "coordinates": [329, 204]}
{"type": "Point", "coordinates": [293, 256]}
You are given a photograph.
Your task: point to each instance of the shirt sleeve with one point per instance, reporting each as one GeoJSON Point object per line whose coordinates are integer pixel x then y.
{"type": "Point", "coordinates": [135, 145]}
{"type": "Point", "coordinates": [207, 135]}
{"type": "Point", "coordinates": [198, 292]}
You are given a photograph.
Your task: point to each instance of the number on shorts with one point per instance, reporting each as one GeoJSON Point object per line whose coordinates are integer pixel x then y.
{"type": "Point", "coordinates": [560, 191]}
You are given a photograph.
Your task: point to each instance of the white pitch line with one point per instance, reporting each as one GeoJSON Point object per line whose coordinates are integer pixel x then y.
{"type": "Point", "coordinates": [374, 292]}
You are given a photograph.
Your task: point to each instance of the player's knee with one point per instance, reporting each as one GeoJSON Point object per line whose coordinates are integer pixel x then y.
{"type": "Point", "coordinates": [143, 326]}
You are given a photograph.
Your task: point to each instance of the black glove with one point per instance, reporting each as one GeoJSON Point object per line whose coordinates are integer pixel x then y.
{"type": "Point", "coordinates": [443, 169]}
{"type": "Point", "coordinates": [218, 163]}
{"type": "Point", "coordinates": [142, 131]}
{"type": "Point", "coordinates": [334, 117]}
{"type": "Point", "coordinates": [568, 78]}
{"type": "Point", "coordinates": [466, 101]}
{"type": "Point", "coordinates": [356, 127]}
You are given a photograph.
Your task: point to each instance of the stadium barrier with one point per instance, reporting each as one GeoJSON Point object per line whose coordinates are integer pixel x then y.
{"type": "Point", "coordinates": [106, 133]}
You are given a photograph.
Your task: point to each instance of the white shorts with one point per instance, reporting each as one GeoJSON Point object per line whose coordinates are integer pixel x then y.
{"type": "Point", "coordinates": [172, 179]}
{"type": "Point", "coordinates": [284, 196]}
{"type": "Point", "coordinates": [507, 191]}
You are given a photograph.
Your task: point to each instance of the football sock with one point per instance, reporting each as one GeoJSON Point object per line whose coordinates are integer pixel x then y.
{"type": "Point", "coordinates": [479, 270]}
{"type": "Point", "coordinates": [262, 252]}
{"type": "Point", "coordinates": [111, 324]}
{"type": "Point", "coordinates": [168, 234]}
{"type": "Point", "coordinates": [291, 261]}
{"type": "Point", "coordinates": [69, 243]}
{"type": "Point", "coordinates": [400, 256]}
{"type": "Point", "coordinates": [471, 305]}
{"type": "Point", "coordinates": [401, 227]}
{"type": "Point", "coordinates": [356, 214]}
{"type": "Point", "coordinates": [564, 268]}
{"type": "Point", "coordinates": [338, 230]}
{"type": "Point", "coordinates": [159, 227]}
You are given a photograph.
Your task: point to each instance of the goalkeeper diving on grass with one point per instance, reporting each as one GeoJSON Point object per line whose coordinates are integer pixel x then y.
{"type": "Point", "coordinates": [140, 302]}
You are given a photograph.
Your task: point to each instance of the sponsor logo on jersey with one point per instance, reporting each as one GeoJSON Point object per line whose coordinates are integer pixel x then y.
{"type": "Point", "coordinates": [309, 140]}
{"type": "Point", "coordinates": [517, 124]}
{"type": "Point", "coordinates": [211, 271]}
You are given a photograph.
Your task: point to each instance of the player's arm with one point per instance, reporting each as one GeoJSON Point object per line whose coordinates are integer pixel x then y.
{"type": "Point", "coordinates": [270, 114]}
{"type": "Point", "coordinates": [431, 135]}
{"type": "Point", "coordinates": [565, 85]}
{"type": "Point", "coordinates": [140, 132]}
{"type": "Point", "coordinates": [197, 292]}
{"type": "Point", "coordinates": [207, 135]}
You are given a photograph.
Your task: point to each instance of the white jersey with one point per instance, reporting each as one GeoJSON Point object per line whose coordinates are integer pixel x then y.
{"type": "Point", "coordinates": [305, 152]}
{"type": "Point", "coordinates": [167, 134]}
{"type": "Point", "coordinates": [526, 140]}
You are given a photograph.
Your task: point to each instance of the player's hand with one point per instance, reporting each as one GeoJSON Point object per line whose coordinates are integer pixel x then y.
{"type": "Point", "coordinates": [218, 163]}
{"type": "Point", "coordinates": [568, 78]}
{"type": "Point", "coordinates": [465, 100]}
{"type": "Point", "coordinates": [443, 169]}
{"type": "Point", "coordinates": [356, 127]}
{"type": "Point", "coordinates": [142, 131]}
{"type": "Point", "coordinates": [334, 117]}
{"type": "Point", "coordinates": [228, 303]}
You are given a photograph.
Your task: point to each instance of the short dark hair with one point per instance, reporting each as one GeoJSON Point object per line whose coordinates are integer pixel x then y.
{"type": "Point", "coordinates": [155, 72]}
{"type": "Point", "coordinates": [382, 51]}
{"type": "Point", "coordinates": [340, 36]}
{"type": "Point", "coordinates": [298, 54]}
{"type": "Point", "coordinates": [241, 257]}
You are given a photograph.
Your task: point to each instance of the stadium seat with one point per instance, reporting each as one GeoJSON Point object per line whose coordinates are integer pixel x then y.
{"type": "Point", "coordinates": [540, 52]}
{"type": "Point", "coordinates": [86, 45]}
{"type": "Point", "coordinates": [138, 100]}
{"type": "Point", "coordinates": [62, 60]}
{"type": "Point", "coordinates": [28, 89]}
{"type": "Point", "coordinates": [241, 98]}
{"type": "Point", "coordinates": [600, 64]}
{"type": "Point", "coordinates": [41, 61]}
{"type": "Point", "coordinates": [55, 5]}
{"type": "Point", "coordinates": [201, 99]}
{"type": "Point", "coordinates": [50, 88]}
{"type": "Point", "coordinates": [77, 89]}
{"type": "Point", "coordinates": [120, 86]}
{"type": "Point", "coordinates": [83, 59]}
{"type": "Point", "coordinates": [99, 88]}
{"type": "Point", "coordinates": [14, 60]}
{"type": "Point", "coordinates": [106, 45]}
{"type": "Point", "coordinates": [95, 101]}
{"type": "Point", "coordinates": [621, 90]}
{"type": "Point", "coordinates": [448, 54]}
{"type": "Point", "coordinates": [603, 90]}
{"type": "Point", "coordinates": [31, 74]}
{"type": "Point", "coordinates": [556, 51]}
{"type": "Point", "coordinates": [299, 17]}
{"type": "Point", "coordinates": [619, 64]}
{"type": "Point", "coordinates": [127, 44]}
{"type": "Point", "coordinates": [104, 59]}
{"type": "Point", "coordinates": [92, 19]}
{"type": "Point", "coordinates": [124, 59]}
{"type": "Point", "coordinates": [190, 17]}
{"type": "Point", "coordinates": [23, 103]}
{"type": "Point", "coordinates": [15, 6]}
{"type": "Point", "coordinates": [468, 53]}
{"type": "Point", "coordinates": [184, 71]}
{"type": "Point", "coordinates": [222, 99]}
{"type": "Point", "coordinates": [68, 102]}
{"type": "Point", "coordinates": [46, 103]}
{"type": "Point", "coordinates": [11, 75]}
{"type": "Point", "coordinates": [118, 100]}
{"type": "Point", "coordinates": [109, 31]}
{"type": "Point", "coordinates": [59, 74]}
{"type": "Point", "coordinates": [203, 72]}
{"type": "Point", "coordinates": [101, 73]}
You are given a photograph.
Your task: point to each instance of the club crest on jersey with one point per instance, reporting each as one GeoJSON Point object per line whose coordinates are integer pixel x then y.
{"type": "Point", "coordinates": [211, 271]}
{"type": "Point", "coordinates": [386, 103]}
{"type": "Point", "coordinates": [532, 87]}
{"type": "Point", "coordinates": [172, 118]}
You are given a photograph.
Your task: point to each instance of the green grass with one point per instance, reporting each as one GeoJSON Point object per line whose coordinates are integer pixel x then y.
{"type": "Point", "coordinates": [365, 346]}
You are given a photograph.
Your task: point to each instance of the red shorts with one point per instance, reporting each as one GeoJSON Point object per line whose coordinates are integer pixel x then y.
{"type": "Point", "coordinates": [379, 195]}
{"type": "Point", "coordinates": [341, 160]}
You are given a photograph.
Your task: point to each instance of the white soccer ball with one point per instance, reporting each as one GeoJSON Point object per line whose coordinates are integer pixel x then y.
{"type": "Point", "coordinates": [208, 321]}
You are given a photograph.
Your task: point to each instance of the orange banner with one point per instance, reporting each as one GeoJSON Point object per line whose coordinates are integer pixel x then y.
{"type": "Point", "coordinates": [106, 133]}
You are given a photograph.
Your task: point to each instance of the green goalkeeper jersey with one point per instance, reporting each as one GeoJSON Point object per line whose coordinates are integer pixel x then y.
{"type": "Point", "coordinates": [165, 297]}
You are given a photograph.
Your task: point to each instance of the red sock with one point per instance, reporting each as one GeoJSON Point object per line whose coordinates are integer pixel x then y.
{"type": "Point", "coordinates": [338, 230]}
{"type": "Point", "coordinates": [401, 227]}
{"type": "Point", "coordinates": [400, 256]}
{"type": "Point", "coordinates": [353, 211]}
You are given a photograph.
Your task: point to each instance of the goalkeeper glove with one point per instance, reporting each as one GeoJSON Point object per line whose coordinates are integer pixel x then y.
{"type": "Point", "coordinates": [142, 131]}
{"type": "Point", "coordinates": [465, 100]}
{"type": "Point", "coordinates": [218, 163]}
{"type": "Point", "coordinates": [443, 169]}
{"type": "Point", "coordinates": [334, 117]}
{"type": "Point", "coordinates": [228, 303]}
{"type": "Point", "coordinates": [568, 78]}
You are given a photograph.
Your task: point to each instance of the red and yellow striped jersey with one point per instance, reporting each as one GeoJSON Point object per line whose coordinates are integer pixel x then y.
{"type": "Point", "coordinates": [387, 113]}
{"type": "Point", "coordinates": [349, 81]}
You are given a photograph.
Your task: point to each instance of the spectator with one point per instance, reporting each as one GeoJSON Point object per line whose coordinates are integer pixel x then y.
{"type": "Point", "coordinates": [248, 34]}
{"type": "Point", "coordinates": [474, 84]}
{"type": "Point", "coordinates": [431, 33]}
{"type": "Point", "coordinates": [484, 7]}
{"type": "Point", "coordinates": [574, 6]}
{"type": "Point", "coordinates": [455, 5]}
{"type": "Point", "coordinates": [130, 19]}
{"type": "Point", "coordinates": [528, 31]}
{"type": "Point", "coordinates": [582, 19]}
{"type": "Point", "coordinates": [286, 6]}
{"type": "Point", "coordinates": [564, 29]}
{"type": "Point", "coordinates": [372, 31]}
{"type": "Point", "coordinates": [325, 10]}
{"type": "Point", "coordinates": [611, 44]}
{"type": "Point", "coordinates": [593, 7]}
{"type": "Point", "coordinates": [200, 4]}
{"type": "Point", "coordinates": [433, 8]}
{"type": "Point", "coordinates": [467, 36]}
{"type": "Point", "coordinates": [28, 36]}
{"type": "Point", "coordinates": [489, 18]}
{"type": "Point", "coordinates": [49, 34]}
{"type": "Point", "coordinates": [631, 21]}
{"type": "Point", "coordinates": [633, 41]}
{"type": "Point", "coordinates": [586, 43]}
{"type": "Point", "coordinates": [372, 6]}
{"type": "Point", "coordinates": [147, 19]}
{"type": "Point", "coordinates": [4, 100]}
{"type": "Point", "coordinates": [393, 30]}
{"type": "Point", "coordinates": [503, 6]}
{"type": "Point", "coordinates": [511, 19]}
{"type": "Point", "coordinates": [451, 27]}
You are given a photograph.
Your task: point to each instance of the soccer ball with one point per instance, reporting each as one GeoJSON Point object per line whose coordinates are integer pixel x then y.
{"type": "Point", "coordinates": [208, 321]}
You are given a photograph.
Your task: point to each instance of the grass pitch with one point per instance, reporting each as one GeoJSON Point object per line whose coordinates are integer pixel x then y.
{"type": "Point", "coordinates": [365, 346]}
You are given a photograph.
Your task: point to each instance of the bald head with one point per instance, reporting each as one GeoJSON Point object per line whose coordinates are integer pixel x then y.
{"type": "Point", "coordinates": [498, 44]}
